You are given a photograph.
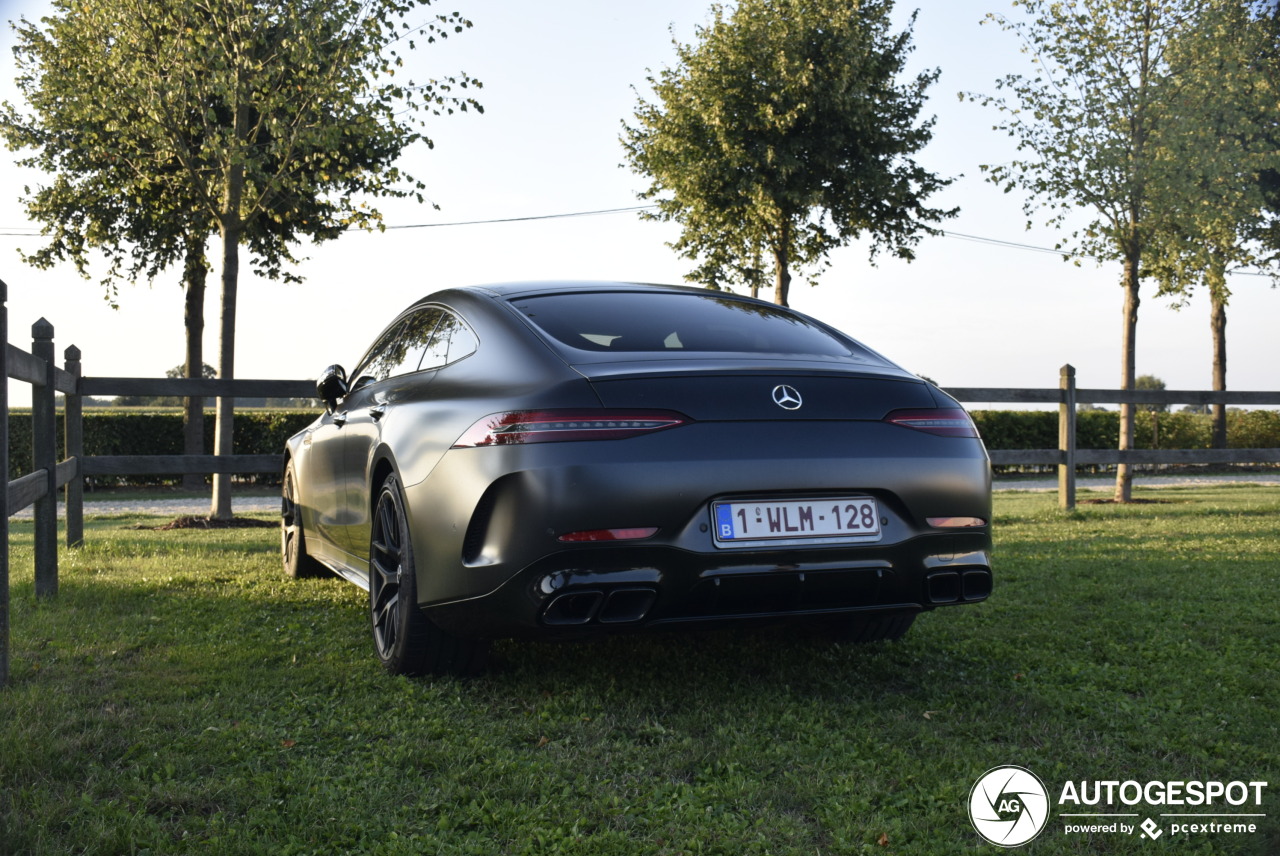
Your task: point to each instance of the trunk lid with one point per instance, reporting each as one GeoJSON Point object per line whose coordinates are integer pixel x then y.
{"type": "Point", "coordinates": [748, 392]}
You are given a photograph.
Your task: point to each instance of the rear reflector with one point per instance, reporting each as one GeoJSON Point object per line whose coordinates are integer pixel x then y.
{"type": "Point", "coordinates": [955, 522]}
{"type": "Point", "coordinates": [518, 427]}
{"type": "Point", "coordinates": [609, 535]}
{"type": "Point", "coordinates": [945, 422]}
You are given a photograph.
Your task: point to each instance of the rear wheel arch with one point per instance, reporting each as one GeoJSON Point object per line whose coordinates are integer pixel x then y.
{"type": "Point", "coordinates": [382, 468]}
{"type": "Point", "coordinates": [406, 640]}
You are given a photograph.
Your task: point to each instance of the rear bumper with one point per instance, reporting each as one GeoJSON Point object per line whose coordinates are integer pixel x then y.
{"type": "Point", "coordinates": [619, 589]}
{"type": "Point", "coordinates": [490, 563]}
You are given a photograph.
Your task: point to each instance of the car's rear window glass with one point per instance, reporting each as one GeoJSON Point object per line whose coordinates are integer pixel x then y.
{"type": "Point", "coordinates": [672, 323]}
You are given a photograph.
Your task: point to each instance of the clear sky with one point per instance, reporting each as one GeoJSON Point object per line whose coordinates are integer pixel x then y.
{"type": "Point", "coordinates": [558, 78]}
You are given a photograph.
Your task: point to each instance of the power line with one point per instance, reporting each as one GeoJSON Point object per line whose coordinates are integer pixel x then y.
{"type": "Point", "coordinates": [1010, 244]}
{"type": "Point", "coordinates": [521, 219]}
{"type": "Point", "coordinates": [1066, 254]}
{"type": "Point", "coordinates": [24, 232]}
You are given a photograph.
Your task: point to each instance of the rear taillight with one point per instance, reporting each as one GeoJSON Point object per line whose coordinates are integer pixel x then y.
{"type": "Point", "coordinates": [945, 422]}
{"type": "Point", "coordinates": [638, 533]}
{"type": "Point", "coordinates": [519, 427]}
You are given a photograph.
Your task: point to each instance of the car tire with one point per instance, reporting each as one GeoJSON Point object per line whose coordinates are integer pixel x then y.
{"type": "Point", "coordinates": [863, 629]}
{"type": "Point", "coordinates": [405, 639]}
{"type": "Point", "coordinates": [298, 563]}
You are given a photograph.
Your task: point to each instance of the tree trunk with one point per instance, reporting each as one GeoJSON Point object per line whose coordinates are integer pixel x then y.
{"type": "Point", "coordinates": [1128, 372]}
{"type": "Point", "coordinates": [757, 265]}
{"type": "Point", "coordinates": [224, 424]}
{"type": "Point", "coordinates": [782, 266]}
{"type": "Point", "coordinates": [1218, 324]}
{"type": "Point", "coordinates": [231, 227]}
{"type": "Point", "coordinates": [193, 406]}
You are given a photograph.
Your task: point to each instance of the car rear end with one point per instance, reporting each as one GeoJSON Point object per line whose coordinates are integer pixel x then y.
{"type": "Point", "coordinates": [765, 481]}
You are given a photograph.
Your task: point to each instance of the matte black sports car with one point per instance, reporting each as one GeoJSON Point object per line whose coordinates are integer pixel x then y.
{"type": "Point", "coordinates": [565, 459]}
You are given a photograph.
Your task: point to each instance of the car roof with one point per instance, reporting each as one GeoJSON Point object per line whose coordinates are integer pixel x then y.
{"type": "Point", "coordinates": [513, 290]}
{"type": "Point", "coordinates": [506, 291]}
{"type": "Point", "coordinates": [520, 289]}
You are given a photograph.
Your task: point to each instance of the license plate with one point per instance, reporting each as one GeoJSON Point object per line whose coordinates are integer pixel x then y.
{"type": "Point", "coordinates": [834, 519]}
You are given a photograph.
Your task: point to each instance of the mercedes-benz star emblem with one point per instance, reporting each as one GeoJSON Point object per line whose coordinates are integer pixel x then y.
{"type": "Point", "coordinates": [787, 397]}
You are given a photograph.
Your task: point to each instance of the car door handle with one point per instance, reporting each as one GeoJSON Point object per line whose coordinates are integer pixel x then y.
{"type": "Point", "coordinates": [377, 411]}
{"type": "Point", "coordinates": [340, 419]}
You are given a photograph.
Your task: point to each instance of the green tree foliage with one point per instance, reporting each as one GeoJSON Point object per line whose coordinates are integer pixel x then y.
{"type": "Point", "coordinates": [259, 121]}
{"type": "Point", "coordinates": [784, 132]}
{"type": "Point", "coordinates": [1107, 124]}
{"type": "Point", "coordinates": [94, 202]}
{"type": "Point", "coordinates": [1268, 12]}
{"type": "Point", "coordinates": [1227, 144]}
{"type": "Point", "coordinates": [1151, 382]}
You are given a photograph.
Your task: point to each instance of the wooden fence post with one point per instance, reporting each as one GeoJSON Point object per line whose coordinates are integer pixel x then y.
{"type": "Point", "coordinates": [73, 431]}
{"type": "Point", "coordinates": [1067, 438]}
{"type": "Point", "coordinates": [44, 457]}
{"type": "Point", "coordinates": [4, 483]}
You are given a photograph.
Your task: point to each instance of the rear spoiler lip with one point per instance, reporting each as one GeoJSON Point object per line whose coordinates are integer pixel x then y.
{"type": "Point", "coordinates": [710, 367]}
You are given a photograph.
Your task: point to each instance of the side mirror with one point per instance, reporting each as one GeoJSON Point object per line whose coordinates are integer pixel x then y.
{"type": "Point", "coordinates": [332, 385]}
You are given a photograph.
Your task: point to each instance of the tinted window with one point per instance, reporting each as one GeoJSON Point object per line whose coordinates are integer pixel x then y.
{"type": "Point", "coordinates": [369, 368]}
{"type": "Point", "coordinates": [425, 339]}
{"type": "Point", "coordinates": [624, 322]}
{"type": "Point", "coordinates": [451, 341]}
{"type": "Point", "coordinates": [400, 348]}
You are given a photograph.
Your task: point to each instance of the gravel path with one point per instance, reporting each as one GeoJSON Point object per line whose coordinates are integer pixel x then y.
{"type": "Point", "coordinates": [1106, 483]}
{"type": "Point", "coordinates": [164, 507]}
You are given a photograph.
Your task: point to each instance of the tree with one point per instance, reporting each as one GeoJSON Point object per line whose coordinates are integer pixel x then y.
{"type": "Point", "coordinates": [1268, 12]}
{"type": "Point", "coordinates": [101, 203]}
{"type": "Point", "coordinates": [1226, 146]}
{"type": "Point", "coordinates": [1153, 383]}
{"type": "Point", "coordinates": [1093, 125]}
{"type": "Point", "coordinates": [783, 134]}
{"type": "Point", "coordinates": [258, 121]}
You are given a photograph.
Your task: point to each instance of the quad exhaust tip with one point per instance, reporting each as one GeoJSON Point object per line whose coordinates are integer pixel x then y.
{"type": "Point", "coordinates": [614, 606]}
{"type": "Point", "coordinates": [964, 586]}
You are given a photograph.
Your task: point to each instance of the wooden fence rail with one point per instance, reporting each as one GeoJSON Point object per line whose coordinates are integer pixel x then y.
{"type": "Point", "coordinates": [48, 474]}
{"type": "Point", "coordinates": [39, 488]}
{"type": "Point", "coordinates": [1067, 457]}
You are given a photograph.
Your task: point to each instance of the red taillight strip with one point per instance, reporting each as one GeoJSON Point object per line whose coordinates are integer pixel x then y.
{"type": "Point", "coordinates": [521, 427]}
{"type": "Point", "coordinates": [943, 421]}
{"type": "Point", "coordinates": [634, 534]}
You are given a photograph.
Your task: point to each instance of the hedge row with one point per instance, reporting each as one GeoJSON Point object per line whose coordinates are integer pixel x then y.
{"type": "Point", "coordinates": [143, 432]}
{"type": "Point", "coordinates": [1100, 429]}
{"type": "Point", "coordinates": [132, 432]}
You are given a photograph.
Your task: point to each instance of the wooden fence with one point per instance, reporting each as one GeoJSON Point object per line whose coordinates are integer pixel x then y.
{"type": "Point", "coordinates": [1067, 457]}
{"type": "Point", "coordinates": [48, 474]}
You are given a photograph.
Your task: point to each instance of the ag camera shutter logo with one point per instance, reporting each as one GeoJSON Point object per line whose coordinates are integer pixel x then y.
{"type": "Point", "coordinates": [1009, 806]}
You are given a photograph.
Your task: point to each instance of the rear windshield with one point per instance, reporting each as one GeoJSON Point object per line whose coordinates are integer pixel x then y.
{"type": "Point", "coordinates": [649, 322]}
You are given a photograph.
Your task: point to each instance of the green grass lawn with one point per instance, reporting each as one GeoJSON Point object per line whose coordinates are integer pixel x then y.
{"type": "Point", "coordinates": [181, 696]}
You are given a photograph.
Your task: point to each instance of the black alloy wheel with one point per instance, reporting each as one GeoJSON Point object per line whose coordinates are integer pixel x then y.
{"type": "Point", "coordinates": [407, 642]}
